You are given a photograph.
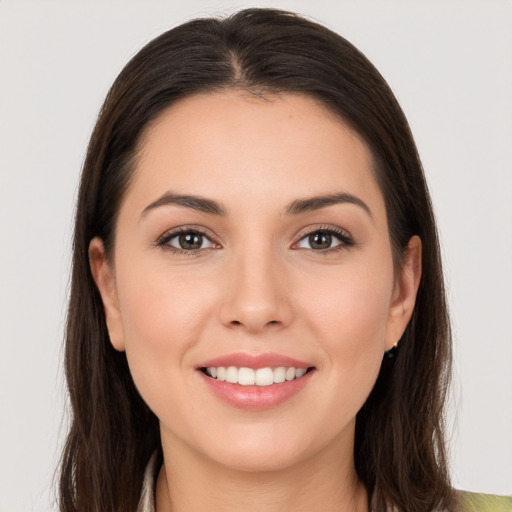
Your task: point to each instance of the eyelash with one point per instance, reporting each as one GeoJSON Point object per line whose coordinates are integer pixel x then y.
{"type": "Point", "coordinates": [343, 236]}
{"type": "Point", "coordinates": [345, 239]}
{"type": "Point", "coordinates": [164, 240]}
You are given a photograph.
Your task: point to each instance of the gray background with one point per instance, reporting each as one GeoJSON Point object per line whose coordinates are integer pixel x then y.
{"type": "Point", "coordinates": [449, 63]}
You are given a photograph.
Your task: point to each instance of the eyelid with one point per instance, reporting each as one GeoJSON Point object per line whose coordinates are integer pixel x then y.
{"type": "Point", "coordinates": [163, 240]}
{"type": "Point", "coordinates": [341, 234]}
{"type": "Point", "coordinates": [345, 238]}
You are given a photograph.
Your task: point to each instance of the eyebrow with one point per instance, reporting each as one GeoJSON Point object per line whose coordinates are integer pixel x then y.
{"type": "Point", "coordinates": [297, 207]}
{"type": "Point", "coordinates": [198, 203]}
{"type": "Point", "coordinates": [318, 202]}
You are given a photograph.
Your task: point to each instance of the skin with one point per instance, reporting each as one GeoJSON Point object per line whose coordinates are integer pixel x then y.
{"type": "Point", "coordinates": [258, 287]}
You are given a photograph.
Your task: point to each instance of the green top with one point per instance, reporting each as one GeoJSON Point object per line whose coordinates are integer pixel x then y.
{"type": "Point", "coordinates": [473, 502]}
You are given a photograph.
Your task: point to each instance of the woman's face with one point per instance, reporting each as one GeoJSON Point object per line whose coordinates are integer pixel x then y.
{"type": "Point", "coordinates": [254, 235]}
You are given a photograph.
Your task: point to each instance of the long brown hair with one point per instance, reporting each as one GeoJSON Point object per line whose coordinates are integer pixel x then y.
{"type": "Point", "coordinates": [399, 449]}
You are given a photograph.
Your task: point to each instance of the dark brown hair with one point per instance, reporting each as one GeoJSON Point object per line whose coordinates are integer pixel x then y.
{"type": "Point", "coordinates": [399, 449]}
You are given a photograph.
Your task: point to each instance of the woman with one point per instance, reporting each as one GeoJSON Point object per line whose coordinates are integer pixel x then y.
{"type": "Point", "coordinates": [257, 317]}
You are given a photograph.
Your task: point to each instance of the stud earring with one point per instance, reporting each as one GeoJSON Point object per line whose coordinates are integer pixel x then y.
{"type": "Point", "coordinates": [391, 353]}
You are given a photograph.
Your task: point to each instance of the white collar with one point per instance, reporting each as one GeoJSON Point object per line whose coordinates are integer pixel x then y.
{"type": "Point", "coordinates": [147, 498]}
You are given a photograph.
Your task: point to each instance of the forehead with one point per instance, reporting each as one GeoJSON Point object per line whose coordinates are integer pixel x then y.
{"type": "Point", "coordinates": [236, 146]}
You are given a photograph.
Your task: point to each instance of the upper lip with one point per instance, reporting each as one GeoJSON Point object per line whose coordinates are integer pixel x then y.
{"type": "Point", "coordinates": [255, 361]}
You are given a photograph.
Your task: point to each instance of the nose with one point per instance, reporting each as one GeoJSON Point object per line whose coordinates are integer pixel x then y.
{"type": "Point", "coordinates": [256, 294]}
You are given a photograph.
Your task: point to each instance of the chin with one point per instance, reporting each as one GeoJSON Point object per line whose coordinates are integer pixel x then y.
{"type": "Point", "coordinates": [260, 451]}
{"type": "Point", "coordinates": [258, 461]}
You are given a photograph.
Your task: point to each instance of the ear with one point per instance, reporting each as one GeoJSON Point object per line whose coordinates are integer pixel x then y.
{"type": "Point", "coordinates": [404, 292]}
{"type": "Point", "coordinates": [103, 275]}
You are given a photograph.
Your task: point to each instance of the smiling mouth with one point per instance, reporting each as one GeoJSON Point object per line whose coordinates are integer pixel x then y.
{"type": "Point", "coordinates": [255, 377]}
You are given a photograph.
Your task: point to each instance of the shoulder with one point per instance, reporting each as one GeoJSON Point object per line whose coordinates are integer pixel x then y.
{"type": "Point", "coordinates": [475, 502]}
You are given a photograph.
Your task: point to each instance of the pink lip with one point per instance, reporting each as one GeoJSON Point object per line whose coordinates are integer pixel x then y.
{"type": "Point", "coordinates": [268, 359]}
{"type": "Point", "coordinates": [255, 397]}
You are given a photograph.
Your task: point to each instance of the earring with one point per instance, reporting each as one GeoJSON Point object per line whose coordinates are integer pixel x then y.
{"type": "Point", "coordinates": [391, 353]}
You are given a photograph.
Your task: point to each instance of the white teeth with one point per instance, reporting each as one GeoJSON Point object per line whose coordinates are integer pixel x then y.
{"type": "Point", "coordinates": [246, 376]}
{"type": "Point", "coordinates": [221, 373]}
{"type": "Point", "coordinates": [232, 375]}
{"type": "Point", "coordinates": [264, 377]}
{"type": "Point", "coordinates": [249, 377]}
{"type": "Point", "coordinates": [279, 375]}
{"type": "Point", "coordinates": [290, 374]}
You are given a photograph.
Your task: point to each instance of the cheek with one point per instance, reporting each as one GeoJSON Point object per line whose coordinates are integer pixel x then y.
{"type": "Point", "coordinates": [352, 308]}
{"type": "Point", "coordinates": [351, 318]}
{"type": "Point", "coordinates": [160, 305]}
{"type": "Point", "coordinates": [163, 318]}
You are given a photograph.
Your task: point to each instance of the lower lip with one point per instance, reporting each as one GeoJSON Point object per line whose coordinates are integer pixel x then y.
{"type": "Point", "coordinates": [256, 398]}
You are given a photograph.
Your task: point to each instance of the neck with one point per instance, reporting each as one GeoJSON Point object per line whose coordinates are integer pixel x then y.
{"type": "Point", "coordinates": [327, 481]}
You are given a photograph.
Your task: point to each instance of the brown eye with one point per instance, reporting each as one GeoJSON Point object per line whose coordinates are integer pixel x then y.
{"type": "Point", "coordinates": [323, 240]}
{"type": "Point", "coordinates": [189, 241]}
{"type": "Point", "coordinates": [320, 240]}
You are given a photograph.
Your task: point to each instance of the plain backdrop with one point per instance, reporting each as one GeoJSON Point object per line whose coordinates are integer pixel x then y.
{"type": "Point", "coordinates": [448, 62]}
